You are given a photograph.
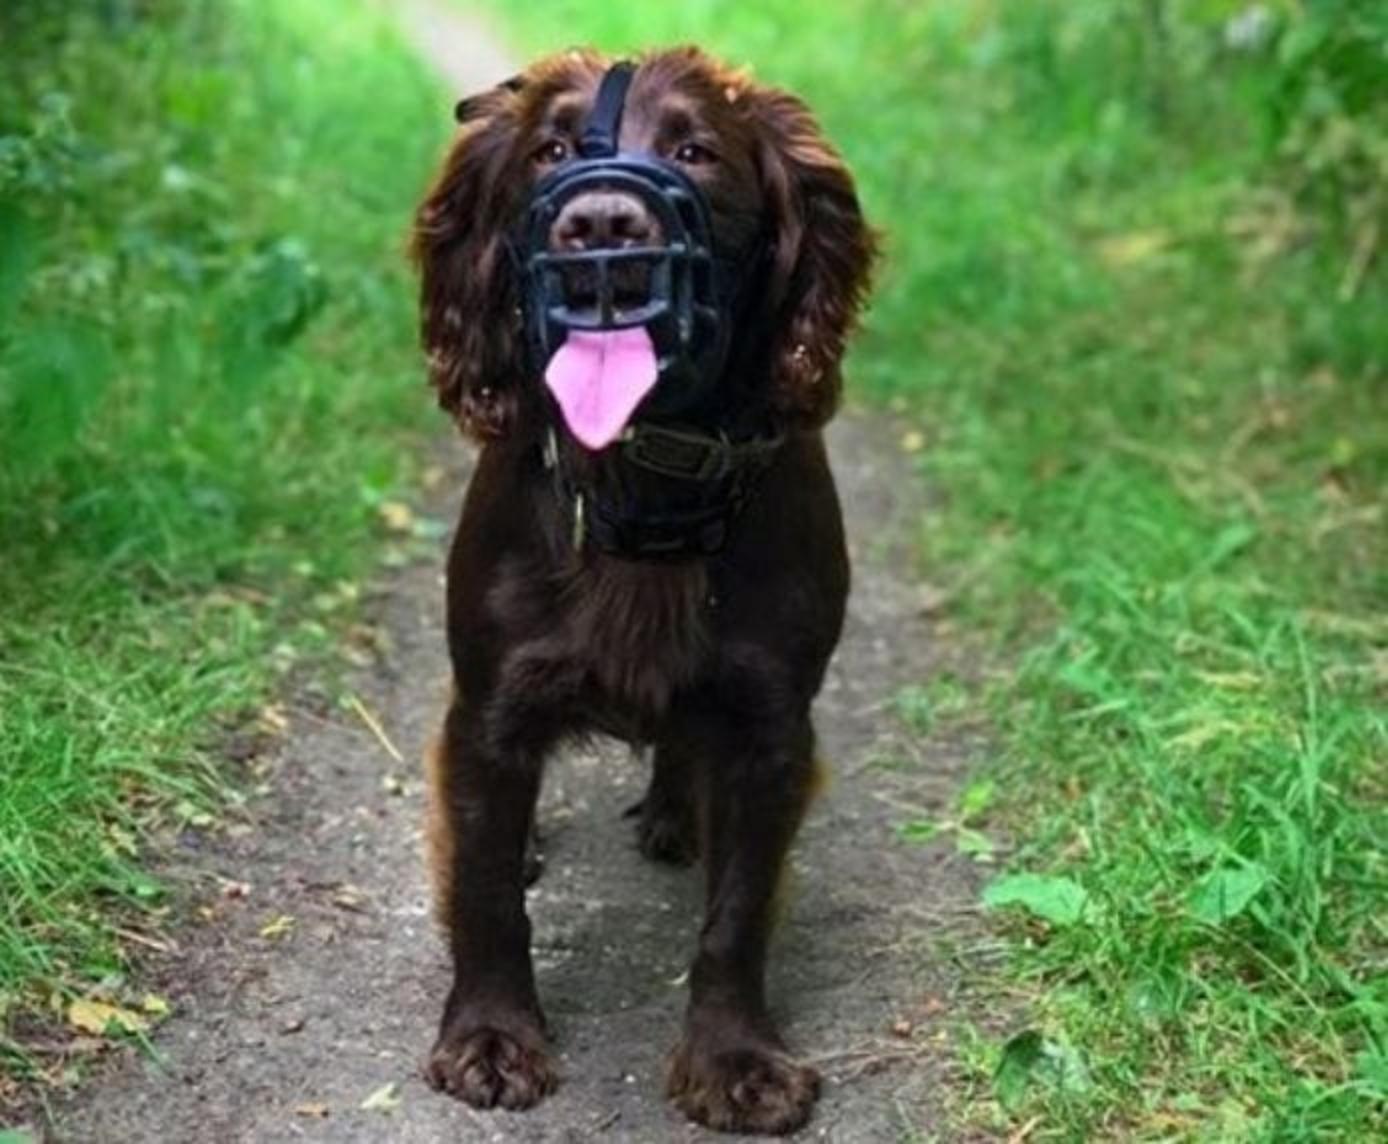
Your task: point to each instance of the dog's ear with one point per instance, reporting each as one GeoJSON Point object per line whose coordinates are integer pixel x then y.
{"type": "Point", "coordinates": [469, 306]}
{"type": "Point", "coordinates": [822, 255]}
{"type": "Point", "coordinates": [484, 103]}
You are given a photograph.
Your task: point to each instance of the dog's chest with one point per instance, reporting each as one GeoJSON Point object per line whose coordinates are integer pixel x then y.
{"type": "Point", "coordinates": [606, 645]}
{"type": "Point", "coordinates": [637, 633]}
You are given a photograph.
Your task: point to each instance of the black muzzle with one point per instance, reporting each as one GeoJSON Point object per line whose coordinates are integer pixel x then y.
{"type": "Point", "coordinates": [683, 295]}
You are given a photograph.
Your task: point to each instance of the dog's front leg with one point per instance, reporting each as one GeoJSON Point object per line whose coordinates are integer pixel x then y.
{"type": "Point", "coordinates": [731, 1071]}
{"type": "Point", "coordinates": [491, 1045]}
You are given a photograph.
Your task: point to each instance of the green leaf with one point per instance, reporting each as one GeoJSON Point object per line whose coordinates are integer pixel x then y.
{"type": "Point", "coordinates": [1019, 1057]}
{"type": "Point", "coordinates": [974, 843]}
{"type": "Point", "coordinates": [1031, 1059]}
{"type": "Point", "coordinates": [920, 830]}
{"type": "Point", "coordinates": [1060, 901]}
{"type": "Point", "coordinates": [976, 798]}
{"type": "Point", "coordinates": [1225, 893]}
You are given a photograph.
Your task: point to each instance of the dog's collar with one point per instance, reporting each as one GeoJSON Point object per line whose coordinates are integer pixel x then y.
{"type": "Point", "coordinates": [711, 477]}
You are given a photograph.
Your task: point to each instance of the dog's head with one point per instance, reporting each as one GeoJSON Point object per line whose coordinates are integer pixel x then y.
{"type": "Point", "coordinates": [781, 205]}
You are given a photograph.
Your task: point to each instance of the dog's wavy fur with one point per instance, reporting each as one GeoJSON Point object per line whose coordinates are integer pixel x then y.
{"type": "Point", "coordinates": [471, 323]}
{"type": "Point", "coordinates": [715, 662]}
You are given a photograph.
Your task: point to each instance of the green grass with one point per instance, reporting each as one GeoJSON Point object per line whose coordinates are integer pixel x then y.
{"type": "Point", "coordinates": [208, 385]}
{"type": "Point", "coordinates": [1127, 300]}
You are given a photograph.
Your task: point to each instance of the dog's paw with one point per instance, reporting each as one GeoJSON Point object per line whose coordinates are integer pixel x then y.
{"type": "Point", "coordinates": [665, 832]}
{"type": "Point", "coordinates": [489, 1068]}
{"type": "Point", "coordinates": [750, 1089]}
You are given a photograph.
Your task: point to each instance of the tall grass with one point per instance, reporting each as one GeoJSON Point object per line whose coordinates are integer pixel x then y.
{"type": "Point", "coordinates": [1134, 298]}
{"type": "Point", "coordinates": [207, 386]}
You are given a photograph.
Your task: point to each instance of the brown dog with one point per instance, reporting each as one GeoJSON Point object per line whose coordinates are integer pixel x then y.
{"type": "Point", "coordinates": [571, 608]}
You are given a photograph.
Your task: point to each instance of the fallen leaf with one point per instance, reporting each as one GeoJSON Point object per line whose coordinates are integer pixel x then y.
{"type": "Point", "coordinates": [277, 927]}
{"type": "Point", "coordinates": [912, 441]}
{"type": "Point", "coordinates": [384, 1099]}
{"type": "Point", "coordinates": [1030, 1059]}
{"type": "Point", "coordinates": [397, 516]}
{"type": "Point", "coordinates": [313, 1109]}
{"type": "Point", "coordinates": [1134, 247]}
{"type": "Point", "coordinates": [155, 1005]}
{"type": "Point", "coordinates": [974, 843]}
{"type": "Point", "coordinates": [1060, 901]}
{"type": "Point", "coordinates": [273, 718]}
{"type": "Point", "coordinates": [200, 819]}
{"type": "Point", "coordinates": [350, 897]}
{"type": "Point", "coordinates": [98, 1016]}
{"type": "Point", "coordinates": [122, 840]}
{"type": "Point", "coordinates": [1024, 1131]}
{"type": "Point", "coordinates": [931, 599]}
{"type": "Point", "coordinates": [1225, 893]}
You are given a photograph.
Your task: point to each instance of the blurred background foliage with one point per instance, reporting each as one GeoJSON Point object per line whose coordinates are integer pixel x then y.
{"type": "Point", "coordinates": [165, 231]}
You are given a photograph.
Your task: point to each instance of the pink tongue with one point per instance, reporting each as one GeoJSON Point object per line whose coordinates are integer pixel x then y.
{"type": "Point", "coordinates": [599, 378]}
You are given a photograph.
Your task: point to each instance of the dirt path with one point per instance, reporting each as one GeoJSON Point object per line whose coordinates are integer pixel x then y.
{"type": "Point", "coordinates": [285, 1029]}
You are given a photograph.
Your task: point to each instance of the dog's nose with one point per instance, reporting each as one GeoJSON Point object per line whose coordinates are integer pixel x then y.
{"type": "Point", "coordinates": [602, 220]}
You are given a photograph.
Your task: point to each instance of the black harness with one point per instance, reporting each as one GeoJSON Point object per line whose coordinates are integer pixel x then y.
{"type": "Point", "coordinates": [677, 482]}
{"type": "Point", "coordinates": [707, 481]}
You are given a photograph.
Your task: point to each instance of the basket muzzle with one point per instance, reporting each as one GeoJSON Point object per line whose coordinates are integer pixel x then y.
{"type": "Point", "coordinates": [681, 298]}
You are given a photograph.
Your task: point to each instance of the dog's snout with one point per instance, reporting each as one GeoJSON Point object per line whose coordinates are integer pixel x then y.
{"type": "Point", "coordinates": [601, 220]}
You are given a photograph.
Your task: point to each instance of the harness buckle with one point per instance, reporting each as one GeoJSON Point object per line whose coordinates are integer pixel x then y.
{"type": "Point", "coordinates": [580, 526]}
{"type": "Point", "coordinates": [675, 527]}
{"type": "Point", "coordinates": [676, 453]}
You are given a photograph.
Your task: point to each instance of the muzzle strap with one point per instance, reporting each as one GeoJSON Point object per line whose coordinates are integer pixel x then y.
{"type": "Point", "coordinates": [604, 124]}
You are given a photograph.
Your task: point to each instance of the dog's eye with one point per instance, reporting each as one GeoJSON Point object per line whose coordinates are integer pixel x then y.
{"type": "Point", "coordinates": [552, 151]}
{"type": "Point", "coordinates": [693, 154]}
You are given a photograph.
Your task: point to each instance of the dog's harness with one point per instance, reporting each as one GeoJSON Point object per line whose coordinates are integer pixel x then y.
{"type": "Point", "coordinates": [715, 477]}
{"type": "Point", "coordinates": [671, 487]}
